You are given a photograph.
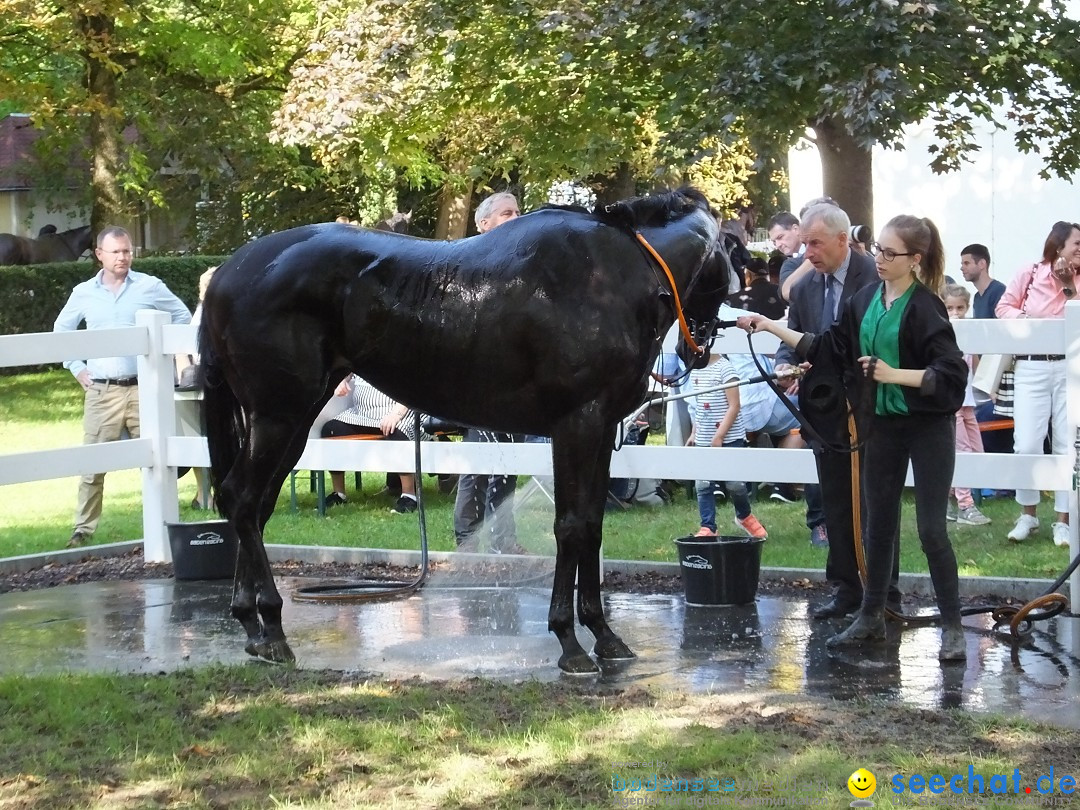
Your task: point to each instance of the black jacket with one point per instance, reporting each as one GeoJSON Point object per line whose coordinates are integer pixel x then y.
{"type": "Point", "coordinates": [808, 296]}
{"type": "Point", "coordinates": [927, 341]}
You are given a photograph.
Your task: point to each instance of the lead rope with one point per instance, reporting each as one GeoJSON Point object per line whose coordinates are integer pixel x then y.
{"type": "Point", "coordinates": [367, 590]}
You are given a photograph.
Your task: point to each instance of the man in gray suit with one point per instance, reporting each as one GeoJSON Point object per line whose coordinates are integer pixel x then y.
{"type": "Point", "coordinates": [816, 303]}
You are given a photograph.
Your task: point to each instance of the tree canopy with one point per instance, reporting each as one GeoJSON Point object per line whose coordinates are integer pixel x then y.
{"type": "Point", "coordinates": [135, 88]}
{"type": "Point", "coordinates": [454, 90]}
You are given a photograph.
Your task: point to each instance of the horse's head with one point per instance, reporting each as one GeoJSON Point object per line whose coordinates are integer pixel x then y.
{"type": "Point", "coordinates": [707, 290]}
{"type": "Point", "coordinates": [77, 240]}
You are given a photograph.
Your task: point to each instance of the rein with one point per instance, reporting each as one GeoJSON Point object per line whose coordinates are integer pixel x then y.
{"type": "Point", "coordinates": [683, 327]}
{"type": "Point", "coordinates": [805, 427]}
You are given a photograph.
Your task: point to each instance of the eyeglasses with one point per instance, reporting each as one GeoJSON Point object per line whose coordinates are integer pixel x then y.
{"type": "Point", "coordinates": [888, 253]}
{"type": "Point", "coordinates": [116, 252]}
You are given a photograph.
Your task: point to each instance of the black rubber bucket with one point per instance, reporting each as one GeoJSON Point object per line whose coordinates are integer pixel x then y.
{"type": "Point", "coordinates": [719, 570]}
{"type": "Point", "coordinates": [203, 550]}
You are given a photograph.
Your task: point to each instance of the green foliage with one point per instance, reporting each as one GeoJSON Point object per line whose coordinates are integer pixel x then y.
{"type": "Point", "coordinates": [458, 93]}
{"type": "Point", "coordinates": [876, 66]}
{"type": "Point", "coordinates": [31, 296]}
{"type": "Point", "coordinates": [191, 88]}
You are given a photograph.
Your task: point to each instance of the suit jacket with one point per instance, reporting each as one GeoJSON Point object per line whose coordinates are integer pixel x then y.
{"type": "Point", "coordinates": [808, 299]}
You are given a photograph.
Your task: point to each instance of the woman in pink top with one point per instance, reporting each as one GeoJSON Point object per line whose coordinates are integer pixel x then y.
{"type": "Point", "coordinates": [1040, 291]}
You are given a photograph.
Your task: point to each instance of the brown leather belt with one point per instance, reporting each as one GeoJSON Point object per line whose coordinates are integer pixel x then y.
{"type": "Point", "coordinates": [127, 381]}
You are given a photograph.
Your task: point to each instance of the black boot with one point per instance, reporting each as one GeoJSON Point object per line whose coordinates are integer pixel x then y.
{"type": "Point", "coordinates": [869, 625]}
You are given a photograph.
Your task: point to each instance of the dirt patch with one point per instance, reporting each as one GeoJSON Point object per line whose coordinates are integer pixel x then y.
{"type": "Point", "coordinates": [132, 566]}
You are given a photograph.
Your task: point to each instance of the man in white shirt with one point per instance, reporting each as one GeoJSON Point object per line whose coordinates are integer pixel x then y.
{"type": "Point", "coordinates": [109, 300]}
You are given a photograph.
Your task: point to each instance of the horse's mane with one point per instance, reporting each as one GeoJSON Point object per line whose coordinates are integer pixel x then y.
{"type": "Point", "coordinates": [655, 209]}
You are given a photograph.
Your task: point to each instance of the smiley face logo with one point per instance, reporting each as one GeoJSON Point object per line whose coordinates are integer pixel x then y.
{"type": "Point", "coordinates": [862, 784]}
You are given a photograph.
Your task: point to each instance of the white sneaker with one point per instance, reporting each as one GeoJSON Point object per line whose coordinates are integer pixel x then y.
{"type": "Point", "coordinates": [1025, 525]}
{"type": "Point", "coordinates": [1061, 534]}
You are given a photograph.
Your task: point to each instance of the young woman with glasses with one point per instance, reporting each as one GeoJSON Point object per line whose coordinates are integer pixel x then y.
{"type": "Point", "coordinates": [896, 337]}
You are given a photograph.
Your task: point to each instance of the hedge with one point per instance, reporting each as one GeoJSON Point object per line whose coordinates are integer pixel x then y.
{"type": "Point", "coordinates": [31, 296]}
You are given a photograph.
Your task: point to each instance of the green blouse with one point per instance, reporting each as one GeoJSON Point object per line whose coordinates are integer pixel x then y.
{"type": "Point", "coordinates": [879, 335]}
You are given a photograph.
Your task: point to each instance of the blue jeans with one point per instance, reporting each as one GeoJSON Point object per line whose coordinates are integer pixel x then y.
{"type": "Point", "coordinates": [736, 490]}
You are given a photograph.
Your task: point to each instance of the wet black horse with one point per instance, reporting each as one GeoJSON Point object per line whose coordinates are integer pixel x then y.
{"type": "Point", "coordinates": [66, 246]}
{"type": "Point", "coordinates": [547, 325]}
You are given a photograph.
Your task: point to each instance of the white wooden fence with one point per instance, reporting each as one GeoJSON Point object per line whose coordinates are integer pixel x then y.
{"type": "Point", "coordinates": [159, 449]}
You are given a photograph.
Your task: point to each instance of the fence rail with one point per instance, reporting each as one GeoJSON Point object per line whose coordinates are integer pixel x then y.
{"type": "Point", "coordinates": [160, 449]}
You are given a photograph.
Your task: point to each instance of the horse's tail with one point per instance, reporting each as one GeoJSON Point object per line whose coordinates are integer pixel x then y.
{"type": "Point", "coordinates": [223, 414]}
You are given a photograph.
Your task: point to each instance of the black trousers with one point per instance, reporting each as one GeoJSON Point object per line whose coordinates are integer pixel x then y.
{"type": "Point", "coordinates": [929, 443]}
{"type": "Point", "coordinates": [487, 498]}
{"type": "Point", "coordinates": [841, 566]}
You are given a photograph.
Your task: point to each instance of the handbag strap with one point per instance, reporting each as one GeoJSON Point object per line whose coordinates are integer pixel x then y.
{"type": "Point", "coordinates": [1027, 289]}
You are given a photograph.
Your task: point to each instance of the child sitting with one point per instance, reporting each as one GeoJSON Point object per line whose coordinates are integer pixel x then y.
{"type": "Point", "coordinates": [968, 438]}
{"type": "Point", "coordinates": [717, 424]}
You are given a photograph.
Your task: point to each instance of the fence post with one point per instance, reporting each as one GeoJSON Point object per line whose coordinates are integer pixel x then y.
{"type": "Point", "coordinates": [157, 415]}
{"type": "Point", "coordinates": [1072, 401]}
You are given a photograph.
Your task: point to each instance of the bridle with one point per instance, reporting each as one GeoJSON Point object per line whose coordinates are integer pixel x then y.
{"type": "Point", "coordinates": [684, 328]}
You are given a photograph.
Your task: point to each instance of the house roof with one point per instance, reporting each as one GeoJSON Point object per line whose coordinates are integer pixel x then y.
{"type": "Point", "coordinates": [17, 136]}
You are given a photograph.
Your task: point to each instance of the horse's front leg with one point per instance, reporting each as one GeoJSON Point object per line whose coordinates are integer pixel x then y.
{"type": "Point", "coordinates": [574, 659]}
{"type": "Point", "coordinates": [581, 452]}
{"type": "Point", "coordinates": [249, 493]}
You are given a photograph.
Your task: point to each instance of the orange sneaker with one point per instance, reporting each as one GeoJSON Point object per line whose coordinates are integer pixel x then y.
{"type": "Point", "coordinates": [705, 531]}
{"type": "Point", "coordinates": [752, 526]}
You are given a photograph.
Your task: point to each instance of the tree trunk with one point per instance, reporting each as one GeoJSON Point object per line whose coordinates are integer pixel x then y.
{"type": "Point", "coordinates": [106, 124]}
{"type": "Point", "coordinates": [847, 171]}
{"type": "Point", "coordinates": [609, 188]}
{"type": "Point", "coordinates": [454, 208]}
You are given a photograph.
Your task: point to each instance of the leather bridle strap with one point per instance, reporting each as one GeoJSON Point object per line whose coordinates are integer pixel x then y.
{"type": "Point", "coordinates": [683, 327]}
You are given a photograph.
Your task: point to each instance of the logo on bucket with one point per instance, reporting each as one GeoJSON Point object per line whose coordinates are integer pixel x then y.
{"type": "Point", "coordinates": [207, 539]}
{"type": "Point", "coordinates": [697, 561]}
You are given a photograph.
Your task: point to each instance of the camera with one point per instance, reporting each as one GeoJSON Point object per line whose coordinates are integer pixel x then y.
{"type": "Point", "coordinates": [860, 233]}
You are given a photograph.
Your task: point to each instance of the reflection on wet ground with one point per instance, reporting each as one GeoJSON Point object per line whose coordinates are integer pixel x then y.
{"type": "Point", "coordinates": [768, 646]}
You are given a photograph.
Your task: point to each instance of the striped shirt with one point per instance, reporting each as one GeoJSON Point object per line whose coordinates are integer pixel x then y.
{"type": "Point", "coordinates": [368, 405]}
{"type": "Point", "coordinates": [710, 409]}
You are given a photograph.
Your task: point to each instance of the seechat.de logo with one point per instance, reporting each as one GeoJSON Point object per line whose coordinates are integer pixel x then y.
{"type": "Point", "coordinates": [862, 785]}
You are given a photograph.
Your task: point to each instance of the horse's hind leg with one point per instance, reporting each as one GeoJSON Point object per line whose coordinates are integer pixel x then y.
{"type": "Point", "coordinates": [251, 489]}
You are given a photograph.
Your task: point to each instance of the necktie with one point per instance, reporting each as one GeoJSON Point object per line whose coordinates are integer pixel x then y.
{"type": "Point", "coordinates": [828, 309]}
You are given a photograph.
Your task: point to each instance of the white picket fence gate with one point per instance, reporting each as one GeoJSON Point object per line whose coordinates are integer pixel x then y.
{"type": "Point", "coordinates": [159, 449]}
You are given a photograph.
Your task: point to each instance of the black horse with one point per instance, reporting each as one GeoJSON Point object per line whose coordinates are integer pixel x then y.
{"type": "Point", "coordinates": [547, 325]}
{"type": "Point", "coordinates": [66, 246]}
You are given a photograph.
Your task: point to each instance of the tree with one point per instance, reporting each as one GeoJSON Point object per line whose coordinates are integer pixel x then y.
{"type": "Point", "coordinates": [134, 87]}
{"type": "Point", "coordinates": [456, 93]}
{"type": "Point", "coordinates": [858, 72]}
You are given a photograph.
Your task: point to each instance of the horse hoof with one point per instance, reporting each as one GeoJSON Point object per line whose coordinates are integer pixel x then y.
{"type": "Point", "coordinates": [580, 664]}
{"type": "Point", "coordinates": [277, 652]}
{"type": "Point", "coordinates": [613, 650]}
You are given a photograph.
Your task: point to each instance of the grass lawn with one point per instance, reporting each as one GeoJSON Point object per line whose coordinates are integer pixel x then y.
{"type": "Point", "coordinates": [44, 410]}
{"type": "Point", "coordinates": [261, 737]}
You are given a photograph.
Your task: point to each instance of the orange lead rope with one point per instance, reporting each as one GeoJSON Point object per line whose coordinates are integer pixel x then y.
{"type": "Point", "coordinates": [689, 338]}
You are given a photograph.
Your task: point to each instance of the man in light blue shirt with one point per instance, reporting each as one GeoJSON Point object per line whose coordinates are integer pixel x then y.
{"type": "Point", "coordinates": [110, 300]}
